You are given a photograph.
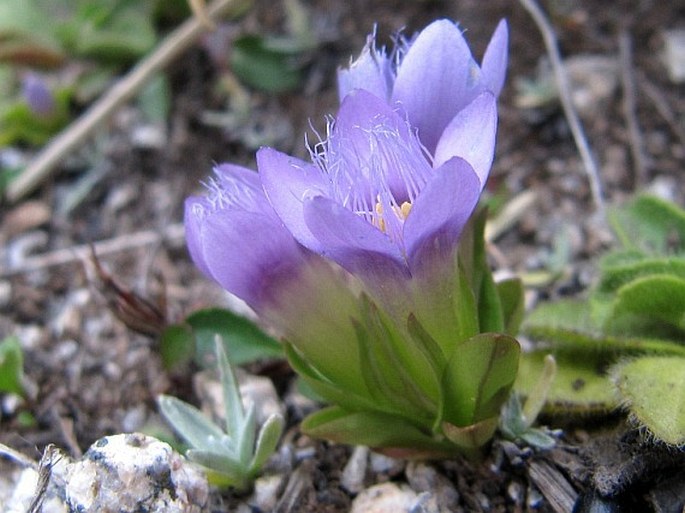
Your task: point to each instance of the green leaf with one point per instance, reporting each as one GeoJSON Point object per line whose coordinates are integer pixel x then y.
{"type": "Point", "coordinates": [155, 99]}
{"type": "Point", "coordinates": [478, 378]}
{"type": "Point", "coordinates": [653, 388]}
{"type": "Point", "coordinates": [651, 225]}
{"type": "Point", "coordinates": [568, 327]}
{"type": "Point", "coordinates": [192, 425]}
{"type": "Point", "coordinates": [617, 274]}
{"type": "Point", "coordinates": [374, 429]}
{"type": "Point", "coordinates": [11, 366]}
{"type": "Point", "coordinates": [223, 471]}
{"type": "Point", "coordinates": [267, 441]}
{"type": "Point", "coordinates": [650, 301]}
{"type": "Point", "coordinates": [233, 403]}
{"type": "Point", "coordinates": [580, 386]}
{"type": "Point", "coordinates": [262, 67]}
{"type": "Point", "coordinates": [177, 346]}
{"type": "Point", "coordinates": [244, 341]}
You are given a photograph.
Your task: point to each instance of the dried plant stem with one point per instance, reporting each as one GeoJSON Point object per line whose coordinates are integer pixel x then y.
{"type": "Point", "coordinates": [122, 91]}
{"type": "Point", "coordinates": [173, 234]}
{"type": "Point", "coordinates": [630, 108]}
{"type": "Point", "coordinates": [564, 89]}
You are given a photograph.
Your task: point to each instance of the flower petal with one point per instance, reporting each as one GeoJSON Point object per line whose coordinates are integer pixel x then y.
{"type": "Point", "coordinates": [494, 66]}
{"type": "Point", "coordinates": [471, 135]}
{"type": "Point", "coordinates": [196, 208]}
{"type": "Point", "coordinates": [352, 242]}
{"type": "Point", "coordinates": [436, 220]}
{"type": "Point", "coordinates": [371, 71]}
{"type": "Point", "coordinates": [248, 254]}
{"type": "Point", "coordinates": [287, 182]}
{"type": "Point", "coordinates": [434, 79]}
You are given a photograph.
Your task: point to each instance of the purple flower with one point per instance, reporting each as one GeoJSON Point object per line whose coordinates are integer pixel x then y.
{"type": "Point", "coordinates": [433, 76]}
{"type": "Point", "coordinates": [235, 238]}
{"type": "Point", "coordinates": [374, 201]}
{"type": "Point", "coordinates": [37, 95]}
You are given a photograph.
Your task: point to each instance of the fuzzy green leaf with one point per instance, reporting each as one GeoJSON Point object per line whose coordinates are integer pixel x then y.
{"type": "Point", "coordinates": [580, 386]}
{"type": "Point", "coordinates": [650, 301]}
{"type": "Point", "coordinates": [653, 389]}
{"type": "Point", "coordinates": [223, 471]}
{"type": "Point", "coordinates": [651, 225]}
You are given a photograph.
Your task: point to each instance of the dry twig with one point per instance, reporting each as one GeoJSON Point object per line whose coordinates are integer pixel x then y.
{"type": "Point", "coordinates": [564, 89]}
{"type": "Point", "coordinates": [662, 107]}
{"type": "Point", "coordinates": [173, 235]}
{"type": "Point", "coordinates": [122, 91]}
{"type": "Point", "coordinates": [630, 107]}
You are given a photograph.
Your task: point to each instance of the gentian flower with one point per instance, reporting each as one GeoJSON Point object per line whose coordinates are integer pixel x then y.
{"type": "Point", "coordinates": [236, 239]}
{"type": "Point", "coordinates": [433, 76]}
{"type": "Point", "coordinates": [356, 256]}
{"type": "Point", "coordinates": [375, 202]}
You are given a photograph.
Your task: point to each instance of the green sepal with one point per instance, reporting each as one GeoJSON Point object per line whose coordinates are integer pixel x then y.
{"type": "Point", "coordinates": [581, 385]}
{"type": "Point", "coordinates": [512, 299]}
{"type": "Point", "coordinates": [373, 429]}
{"type": "Point", "coordinates": [478, 378]}
{"type": "Point", "coordinates": [396, 372]}
{"type": "Point", "coordinates": [323, 387]}
{"type": "Point", "coordinates": [653, 389]}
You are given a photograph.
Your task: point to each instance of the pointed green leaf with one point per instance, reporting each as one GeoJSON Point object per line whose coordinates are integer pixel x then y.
{"type": "Point", "coordinates": [224, 471]}
{"type": "Point", "coordinates": [244, 341]}
{"type": "Point", "coordinates": [580, 385]}
{"type": "Point", "coordinates": [191, 424]}
{"type": "Point", "coordinates": [490, 313]}
{"type": "Point", "coordinates": [268, 438]}
{"type": "Point", "coordinates": [11, 366]}
{"type": "Point", "coordinates": [373, 429]}
{"type": "Point", "coordinates": [233, 403]}
{"type": "Point", "coordinates": [653, 388]}
{"type": "Point", "coordinates": [478, 378]}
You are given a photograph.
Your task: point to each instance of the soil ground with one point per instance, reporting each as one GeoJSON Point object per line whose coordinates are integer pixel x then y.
{"type": "Point", "coordinates": [89, 375]}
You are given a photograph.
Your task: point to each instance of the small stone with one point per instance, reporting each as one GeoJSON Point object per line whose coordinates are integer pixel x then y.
{"type": "Point", "coordinates": [674, 54]}
{"type": "Point", "coordinates": [594, 79]}
{"type": "Point", "coordinates": [354, 472]}
{"type": "Point", "coordinates": [128, 473]}
{"type": "Point", "coordinates": [386, 467]}
{"type": "Point", "coordinates": [26, 216]}
{"type": "Point", "coordinates": [427, 503]}
{"type": "Point", "coordinates": [385, 498]}
{"type": "Point", "coordinates": [266, 492]}
{"type": "Point", "coordinates": [425, 478]}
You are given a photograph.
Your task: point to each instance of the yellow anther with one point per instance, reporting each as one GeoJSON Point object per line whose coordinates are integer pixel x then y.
{"type": "Point", "coordinates": [405, 208]}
